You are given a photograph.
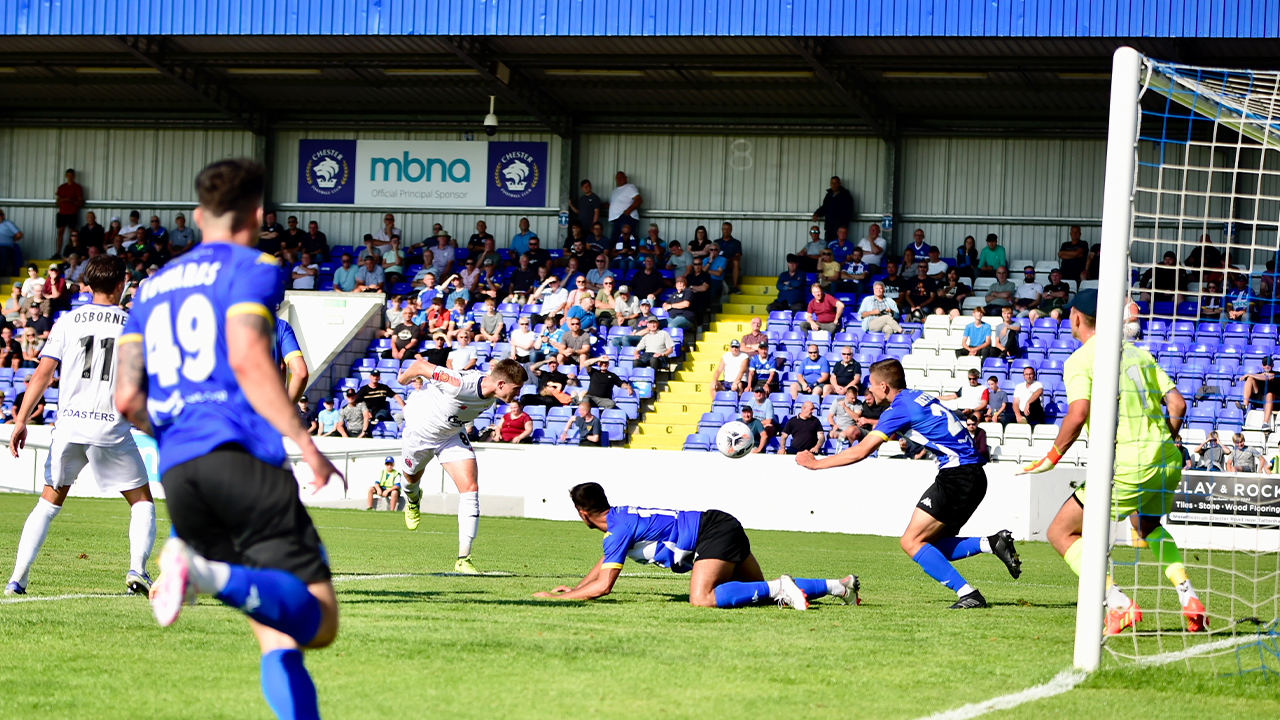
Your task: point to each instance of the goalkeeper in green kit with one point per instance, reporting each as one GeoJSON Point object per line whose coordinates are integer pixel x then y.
{"type": "Point", "coordinates": [1148, 466]}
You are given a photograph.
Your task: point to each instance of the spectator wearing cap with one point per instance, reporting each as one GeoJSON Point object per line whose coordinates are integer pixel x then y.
{"type": "Point", "coordinates": [731, 371]}
{"type": "Point", "coordinates": [641, 327]}
{"type": "Point", "coordinates": [552, 385]}
{"type": "Point", "coordinates": [328, 419]}
{"type": "Point", "coordinates": [812, 373]}
{"type": "Point", "coordinates": [878, 312]}
{"type": "Point", "coordinates": [648, 283]}
{"type": "Point", "coordinates": [386, 486]}
{"type": "Point", "coordinates": [845, 373]}
{"type": "Point", "coordinates": [764, 370]}
{"type": "Point", "coordinates": [308, 415]}
{"type": "Point", "coordinates": [762, 406]}
{"type": "Point", "coordinates": [597, 274]}
{"type": "Point", "coordinates": [681, 312]}
{"type": "Point", "coordinates": [790, 285]}
{"type": "Point", "coordinates": [807, 258]}
{"type": "Point", "coordinates": [354, 416]}
{"type": "Point", "coordinates": [804, 432]}
{"type": "Point", "coordinates": [1244, 459]}
{"type": "Point", "coordinates": [935, 267]}
{"type": "Point", "coordinates": [376, 398]}
{"type": "Point", "coordinates": [589, 432]}
{"type": "Point", "coordinates": [751, 341]}
{"type": "Point", "coordinates": [652, 245]}
{"type": "Point", "coordinates": [842, 247]}
{"type": "Point", "coordinates": [1028, 295]}
{"type": "Point", "coordinates": [1055, 296]}
{"type": "Point", "coordinates": [600, 384]}
{"type": "Point", "coordinates": [1260, 387]}
{"type": "Point", "coordinates": [992, 258]}
{"type": "Point", "coordinates": [844, 415]}
{"type": "Point", "coordinates": [626, 307]}
{"type": "Point", "coordinates": [824, 311]}
{"type": "Point", "coordinates": [554, 299]}
{"type": "Point", "coordinates": [655, 348]}
{"type": "Point", "coordinates": [759, 436]}
{"type": "Point", "coordinates": [490, 283]}
{"type": "Point", "coordinates": [514, 427]}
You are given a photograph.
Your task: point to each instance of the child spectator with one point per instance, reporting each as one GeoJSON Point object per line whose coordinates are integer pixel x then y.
{"type": "Point", "coordinates": [387, 485]}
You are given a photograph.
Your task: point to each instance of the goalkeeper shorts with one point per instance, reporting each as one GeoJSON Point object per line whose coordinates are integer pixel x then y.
{"type": "Point", "coordinates": [1149, 491]}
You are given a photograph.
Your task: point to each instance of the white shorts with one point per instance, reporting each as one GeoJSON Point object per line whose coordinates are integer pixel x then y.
{"type": "Point", "coordinates": [415, 453]}
{"type": "Point", "coordinates": [117, 468]}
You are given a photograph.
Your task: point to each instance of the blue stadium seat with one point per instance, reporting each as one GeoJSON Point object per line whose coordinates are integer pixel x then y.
{"type": "Point", "coordinates": [1185, 309]}
{"type": "Point", "coordinates": [1156, 330]}
{"type": "Point", "coordinates": [725, 401]}
{"type": "Point", "coordinates": [697, 442]}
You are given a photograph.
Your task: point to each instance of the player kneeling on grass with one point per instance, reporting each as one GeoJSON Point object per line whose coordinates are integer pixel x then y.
{"type": "Point", "coordinates": [1148, 464]}
{"type": "Point", "coordinates": [435, 425]}
{"type": "Point", "coordinates": [711, 544]}
{"type": "Point", "coordinates": [930, 538]}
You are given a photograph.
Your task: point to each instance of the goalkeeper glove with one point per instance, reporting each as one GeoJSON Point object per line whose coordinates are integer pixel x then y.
{"type": "Point", "coordinates": [1044, 464]}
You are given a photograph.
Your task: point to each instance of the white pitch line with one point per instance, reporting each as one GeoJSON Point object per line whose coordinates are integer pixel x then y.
{"type": "Point", "coordinates": [51, 598]}
{"type": "Point", "coordinates": [1176, 655]}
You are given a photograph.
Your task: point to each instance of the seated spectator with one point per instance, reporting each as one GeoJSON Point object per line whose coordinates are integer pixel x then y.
{"type": "Point", "coordinates": [73, 271]}
{"type": "Point", "coordinates": [648, 283]}
{"type": "Point", "coordinates": [680, 309]}
{"type": "Point", "coordinates": [490, 283]}
{"type": "Point", "coordinates": [437, 353]}
{"type": "Point", "coordinates": [759, 436]}
{"type": "Point", "coordinates": [1186, 454]}
{"type": "Point", "coordinates": [854, 275]}
{"type": "Point", "coordinates": [38, 321]}
{"type": "Point", "coordinates": [677, 259]}
{"type": "Point", "coordinates": [655, 347]}
{"type": "Point", "coordinates": [442, 255]}
{"type": "Point", "coordinates": [392, 262]}
{"type": "Point", "coordinates": [878, 312]}
{"type": "Point", "coordinates": [514, 427]}
{"type": "Point", "coordinates": [894, 284]}
{"type": "Point", "coordinates": [1261, 387]}
{"type": "Point", "coordinates": [625, 253]}
{"type": "Point", "coordinates": [731, 371]}
{"type": "Point", "coordinates": [908, 260]}
{"type": "Point", "coordinates": [479, 237]}
{"type": "Point", "coordinates": [951, 294]}
{"type": "Point", "coordinates": [487, 255]}
{"type": "Point", "coordinates": [976, 341]}
{"type": "Point", "coordinates": [811, 251]}
{"type": "Point", "coordinates": [10, 350]}
{"type": "Point", "coordinates": [913, 450]}
{"type": "Point", "coordinates": [519, 241]}
{"type": "Point", "coordinates": [554, 299]}
{"type": "Point", "coordinates": [992, 258]}
{"type": "Point", "coordinates": [1027, 406]}
{"type": "Point", "coordinates": [355, 417]}
{"type": "Point", "coordinates": [523, 280]}
{"type": "Point", "coordinates": [576, 246]}
{"type": "Point", "coordinates": [979, 438]}
{"type": "Point", "coordinates": [824, 311]}
{"type": "Point", "coordinates": [596, 276]}
{"type": "Point", "coordinates": [697, 247]}
{"type": "Point", "coordinates": [921, 292]}
{"type": "Point", "coordinates": [1000, 294]}
{"type": "Point", "coordinates": [575, 345]}
{"type": "Point", "coordinates": [843, 417]}
{"type": "Point", "coordinates": [1212, 454]}
{"type": "Point", "coordinates": [436, 319]}
{"type": "Point", "coordinates": [327, 419]}
{"type": "Point", "coordinates": [404, 336]}
{"type": "Point", "coordinates": [790, 287]}
{"type": "Point", "coordinates": [1240, 304]}
{"type": "Point", "coordinates": [937, 269]}
{"type": "Point", "coordinates": [56, 295]}
{"type": "Point", "coordinates": [386, 486]}
{"type": "Point", "coordinates": [456, 291]}
{"type": "Point", "coordinates": [845, 374]}
{"type": "Point", "coordinates": [600, 384]}
{"type": "Point", "coordinates": [1211, 302]}
{"type": "Point", "coordinates": [305, 273]}
{"type": "Point", "coordinates": [525, 343]}
{"type": "Point", "coordinates": [698, 282]}
{"type": "Point", "coordinates": [717, 267]}
{"type": "Point", "coordinates": [967, 258]}
{"type": "Point", "coordinates": [1056, 295]}
{"type": "Point", "coordinates": [751, 341]}
{"type": "Point", "coordinates": [842, 247]}
{"type": "Point", "coordinates": [344, 277]}
{"type": "Point", "coordinates": [873, 248]}
{"type": "Point", "coordinates": [16, 305]}
{"type": "Point", "coordinates": [424, 278]}
{"type": "Point", "coordinates": [1004, 338]}
{"type": "Point", "coordinates": [762, 407]}
{"type": "Point", "coordinates": [765, 371]}
{"type": "Point", "coordinates": [94, 235]}
{"type": "Point", "coordinates": [1027, 297]}
{"type": "Point", "coordinates": [995, 403]}
{"type": "Point", "coordinates": [589, 432]}
{"type": "Point", "coordinates": [552, 385]}
{"type": "Point", "coordinates": [597, 242]}
{"type": "Point", "coordinates": [538, 257]}
{"type": "Point", "coordinates": [652, 246]}
{"type": "Point", "coordinates": [31, 345]}
{"type": "Point", "coordinates": [812, 373]}
{"type": "Point", "coordinates": [492, 325]}
{"type": "Point", "coordinates": [376, 397]}
{"type": "Point", "coordinates": [804, 431]}
{"type": "Point", "coordinates": [969, 394]}
{"type": "Point", "coordinates": [316, 242]}
{"type": "Point", "coordinates": [584, 313]}
{"type": "Point", "coordinates": [625, 307]}
{"type": "Point", "coordinates": [458, 321]}
{"type": "Point", "coordinates": [641, 328]}
{"type": "Point", "coordinates": [1244, 459]}
{"type": "Point", "coordinates": [463, 357]}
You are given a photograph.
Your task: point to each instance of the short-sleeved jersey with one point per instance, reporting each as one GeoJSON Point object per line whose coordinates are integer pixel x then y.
{"type": "Point", "coordinates": [666, 538]}
{"type": "Point", "coordinates": [286, 345]}
{"type": "Point", "coordinates": [84, 342]}
{"type": "Point", "coordinates": [922, 419]}
{"type": "Point", "coordinates": [1142, 434]}
{"type": "Point", "coordinates": [180, 317]}
{"type": "Point", "coordinates": [449, 400]}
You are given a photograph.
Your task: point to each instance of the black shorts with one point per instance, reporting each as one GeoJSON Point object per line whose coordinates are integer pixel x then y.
{"type": "Point", "coordinates": [232, 507]}
{"type": "Point", "coordinates": [721, 537]}
{"type": "Point", "coordinates": [69, 220]}
{"type": "Point", "coordinates": [954, 495]}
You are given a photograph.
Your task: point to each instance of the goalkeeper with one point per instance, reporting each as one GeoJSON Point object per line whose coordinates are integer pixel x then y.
{"type": "Point", "coordinates": [1148, 466]}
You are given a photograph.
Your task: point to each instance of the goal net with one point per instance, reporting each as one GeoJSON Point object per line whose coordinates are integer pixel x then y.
{"type": "Point", "coordinates": [1201, 191]}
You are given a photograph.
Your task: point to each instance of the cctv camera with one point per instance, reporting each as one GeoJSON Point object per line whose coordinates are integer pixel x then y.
{"type": "Point", "coordinates": [491, 120]}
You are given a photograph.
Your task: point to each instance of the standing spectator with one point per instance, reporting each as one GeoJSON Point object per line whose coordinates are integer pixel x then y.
{"type": "Point", "coordinates": [575, 345]}
{"type": "Point", "coordinates": [812, 374]}
{"type": "Point", "coordinates": [10, 253]}
{"type": "Point", "coordinates": [1004, 338]}
{"type": "Point", "coordinates": [354, 417]}
{"type": "Point", "coordinates": [992, 258]}
{"type": "Point", "coordinates": [70, 198]}
{"type": "Point", "coordinates": [386, 486]}
{"type": "Point", "coordinates": [1073, 255]}
{"type": "Point", "coordinates": [1244, 459]}
{"type": "Point", "coordinates": [854, 274]}
{"type": "Point", "coordinates": [587, 207]}
{"type": "Point", "coordinates": [977, 338]}
{"type": "Point", "coordinates": [752, 340]}
{"type": "Point", "coordinates": [624, 204]}
{"type": "Point", "coordinates": [344, 277]}
{"type": "Point", "coordinates": [305, 273]}
{"type": "Point", "coordinates": [918, 247]}
{"type": "Point", "coordinates": [376, 397]}
{"type": "Point", "coordinates": [520, 241]}
{"type": "Point", "coordinates": [836, 208]}
{"type": "Point", "coordinates": [1095, 257]}
{"type": "Point", "coordinates": [808, 256]}
{"type": "Point", "coordinates": [1027, 406]}
{"type": "Point", "coordinates": [182, 238]}
{"type": "Point", "coordinates": [804, 430]}
{"type": "Point", "coordinates": [731, 250]}
{"type": "Point", "coordinates": [967, 258]}
{"type": "Point", "coordinates": [845, 374]}
{"type": "Point", "coordinates": [1000, 295]}
{"type": "Point", "coordinates": [844, 415]}
{"type": "Point", "coordinates": [1056, 295]}
{"type": "Point", "coordinates": [765, 371]}
{"type": "Point", "coordinates": [655, 347]}
{"type": "Point", "coordinates": [478, 238]}
{"type": "Point", "coordinates": [731, 371]}
{"type": "Point", "coordinates": [842, 247]}
{"type": "Point", "coordinates": [316, 242]}
{"type": "Point", "coordinates": [1027, 297]}
{"type": "Point", "coordinates": [1212, 455]}
{"type": "Point", "coordinates": [588, 425]}
{"type": "Point", "coordinates": [790, 287]}
{"type": "Point", "coordinates": [369, 277]}
{"type": "Point", "coordinates": [680, 308]}
{"type": "Point", "coordinates": [979, 438]}
{"type": "Point", "coordinates": [759, 436]}
{"type": "Point", "coordinates": [921, 292]}
{"type": "Point", "coordinates": [600, 384]}
{"type": "Point", "coordinates": [515, 426]}
{"type": "Point", "coordinates": [328, 419]}
{"type": "Point", "coordinates": [824, 311]}
{"type": "Point", "coordinates": [91, 233]}
{"type": "Point", "coordinates": [677, 259]}
{"type": "Point", "coordinates": [873, 248]}
{"type": "Point", "coordinates": [879, 313]}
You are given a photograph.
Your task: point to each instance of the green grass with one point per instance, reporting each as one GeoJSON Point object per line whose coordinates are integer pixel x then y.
{"type": "Point", "coordinates": [436, 646]}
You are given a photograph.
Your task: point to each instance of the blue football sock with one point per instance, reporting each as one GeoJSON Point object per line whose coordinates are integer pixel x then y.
{"type": "Point", "coordinates": [812, 589]}
{"type": "Point", "coordinates": [287, 686]}
{"type": "Point", "coordinates": [954, 548]}
{"type": "Point", "coordinates": [935, 565]}
{"type": "Point", "coordinates": [173, 531]}
{"type": "Point", "coordinates": [274, 598]}
{"type": "Point", "coordinates": [738, 594]}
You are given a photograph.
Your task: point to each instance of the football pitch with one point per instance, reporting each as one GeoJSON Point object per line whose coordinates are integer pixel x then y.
{"type": "Point", "coordinates": [415, 642]}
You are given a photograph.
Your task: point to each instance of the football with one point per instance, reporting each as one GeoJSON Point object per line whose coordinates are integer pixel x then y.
{"type": "Point", "coordinates": [734, 440]}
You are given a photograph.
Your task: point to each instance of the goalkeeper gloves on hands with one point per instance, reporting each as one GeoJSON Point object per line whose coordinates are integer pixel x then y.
{"type": "Point", "coordinates": [1044, 464]}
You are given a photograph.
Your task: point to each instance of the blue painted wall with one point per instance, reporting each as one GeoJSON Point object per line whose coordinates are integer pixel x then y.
{"type": "Point", "coordinates": [965, 18]}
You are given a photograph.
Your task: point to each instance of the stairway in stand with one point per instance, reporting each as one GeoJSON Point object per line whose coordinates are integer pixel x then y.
{"type": "Point", "coordinates": [688, 394]}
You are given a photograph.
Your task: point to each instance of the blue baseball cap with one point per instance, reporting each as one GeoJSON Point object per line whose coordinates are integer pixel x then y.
{"type": "Point", "coordinates": [1086, 301]}
{"type": "Point", "coordinates": [388, 460]}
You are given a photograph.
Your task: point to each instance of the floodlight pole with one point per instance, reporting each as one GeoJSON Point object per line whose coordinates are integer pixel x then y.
{"type": "Point", "coordinates": [1113, 283]}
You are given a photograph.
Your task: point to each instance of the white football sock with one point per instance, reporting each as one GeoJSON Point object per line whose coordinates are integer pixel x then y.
{"type": "Point", "coordinates": [964, 590]}
{"type": "Point", "coordinates": [142, 534]}
{"type": "Point", "coordinates": [468, 521]}
{"type": "Point", "coordinates": [984, 545]}
{"type": "Point", "coordinates": [209, 576]}
{"type": "Point", "coordinates": [1186, 593]}
{"type": "Point", "coordinates": [1116, 599]}
{"type": "Point", "coordinates": [775, 588]}
{"type": "Point", "coordinates": [413, 491]}
{"type": "Point", "coordinates": [835, 589]}
{"type": "Point", "coordinates": [33, 534]}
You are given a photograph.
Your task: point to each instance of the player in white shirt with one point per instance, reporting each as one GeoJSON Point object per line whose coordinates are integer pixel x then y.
{"type": "Point", "coordinates": [434, 426]}
{"type": "Point", "coordinates": [89, 430]}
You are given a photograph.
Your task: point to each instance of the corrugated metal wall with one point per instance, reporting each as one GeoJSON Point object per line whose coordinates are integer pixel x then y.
{"type": "Point", "coordinates": [983, 18]}
{"type": "Point", "coordinates": [766, 186]}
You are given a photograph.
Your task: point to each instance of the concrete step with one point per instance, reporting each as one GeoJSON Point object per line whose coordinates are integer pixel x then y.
{"type": "Point", "coordinates": [669, 430]}
{"type": "Point", "coordinates": [676, 416]}
{"type": "Point", "coordinates": [761, 309]}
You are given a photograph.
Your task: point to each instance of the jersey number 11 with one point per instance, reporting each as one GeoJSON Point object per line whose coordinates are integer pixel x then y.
{"type": "Point", "coordinates": [108, 346]}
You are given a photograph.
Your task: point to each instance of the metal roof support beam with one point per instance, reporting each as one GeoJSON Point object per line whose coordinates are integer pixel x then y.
{"type": "Point", "coordinates": [511, 84]}
{"type": "Point", "coordinates": [197, 81]}
{"type": "Point", "coordinates": [849, 88]}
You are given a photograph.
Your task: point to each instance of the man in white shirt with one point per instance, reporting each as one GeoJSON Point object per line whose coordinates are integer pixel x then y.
{"type": "Point", "coordinates": [731, 372]}
{"type": "Point", "coordinates": [555, 300]}
{"type": "Point", "coordinates": [304, 273]}
{"type": "Point", "coordinates": [463, 357]}
{"type": "Point", "coordinates": [1027, 297]}
{"type": "Point", "coordinates": [382, 238]}
{"type": "Point", "coordinates": [129, 232]}
{"type": "Point", "coordinates": [1027, 407]}
{"type": "Point", "coordinates": [624, 205]}
{"type": "Point", "coordinates": [937, 269]}
{"type": "Point", "coordinates": [873, 247]}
